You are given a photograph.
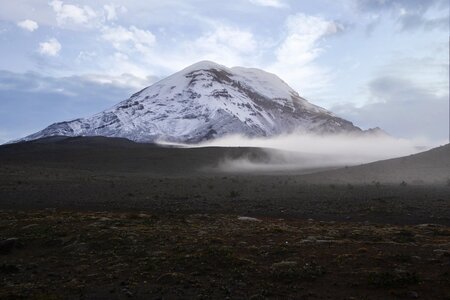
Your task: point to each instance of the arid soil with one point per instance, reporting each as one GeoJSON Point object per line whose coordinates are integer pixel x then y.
{"type": "Point", "coordinates": [110, 219]}
{"type": "Point", "coordinates": [280, 196]}
{"type": "Point", "coordinates": [102, 255]}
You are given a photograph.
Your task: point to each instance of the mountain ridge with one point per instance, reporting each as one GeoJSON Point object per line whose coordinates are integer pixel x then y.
{"type": "Point", "coordinates": [205, 101]}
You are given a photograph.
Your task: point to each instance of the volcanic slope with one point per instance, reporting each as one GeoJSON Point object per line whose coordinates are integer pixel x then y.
{"type": "Point", "coordinates": [205, 101]}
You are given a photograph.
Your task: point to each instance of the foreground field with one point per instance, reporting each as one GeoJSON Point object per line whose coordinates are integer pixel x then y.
{"type": "Point", "coordinates": [100, 174]}
{"type": "Point", "coordinates": [96, 218]}
{"type": "Point", "coordinates": [279, 196]}
{"type": "Point", "coordinates": [53, 254]}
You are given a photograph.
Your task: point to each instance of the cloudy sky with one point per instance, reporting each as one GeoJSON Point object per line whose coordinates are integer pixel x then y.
{"type": "Point", "coordinates": [375, 62]}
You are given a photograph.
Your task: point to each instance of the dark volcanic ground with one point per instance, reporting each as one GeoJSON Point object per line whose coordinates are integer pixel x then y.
{"type": "Point", "coordinates": [116, 174]}
{"type": "Point", "coordinates": [99, 218]}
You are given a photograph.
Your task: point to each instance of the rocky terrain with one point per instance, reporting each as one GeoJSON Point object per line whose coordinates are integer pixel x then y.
{"type": "Point", "coordinates": [101, 218]}
{"type": "Point", "coordinates": [53, 254]}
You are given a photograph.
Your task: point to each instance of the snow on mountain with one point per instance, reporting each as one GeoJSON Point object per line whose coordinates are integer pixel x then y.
{"type": "Point", "coordinates": [204, 101]}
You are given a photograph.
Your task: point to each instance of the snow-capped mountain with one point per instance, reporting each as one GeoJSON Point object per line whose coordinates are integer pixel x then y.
{"type": "Point", "coordinates": [204, 101]}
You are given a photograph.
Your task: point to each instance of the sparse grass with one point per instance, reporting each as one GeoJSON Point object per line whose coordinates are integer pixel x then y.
{"type": "Point", "coordinates": [217, 256]}
{"type": "Point", "coordinates": [277, 229]}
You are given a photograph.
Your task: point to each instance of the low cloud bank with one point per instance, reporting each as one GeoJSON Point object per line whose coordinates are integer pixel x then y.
{"type": "Point", "coordinates": [307, 152]}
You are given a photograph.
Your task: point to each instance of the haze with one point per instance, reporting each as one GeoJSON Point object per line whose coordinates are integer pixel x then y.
{"type": "Point", "coordinates": [307, 152]}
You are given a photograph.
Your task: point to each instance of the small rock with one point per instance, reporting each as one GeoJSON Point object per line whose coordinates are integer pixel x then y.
{"type": "Point", "coordinates": [325, 241]}
{"type": "Point", "coordinates": [127, 292]}
{"type": "Point", "coordinates": [399, 271]}
{"type": "Point", "coordinates": [284, 264]}
{"type": "Point", "coordinates": [30, 226]}
{"type": "Point", "coordinates": [442, 252]}
{"type": "Point", "coordinates": [157, 253]}
{"type": "Point", "coordinates": [248, 219]}
{"type": "Point", "coordinates": [201, 233]}
{"type": "Point", "coordinates": [78, 247]}
{"type": "Point", "coordinates": [428, 225]}
{"type": "Point", "coordinates": [257, 297]}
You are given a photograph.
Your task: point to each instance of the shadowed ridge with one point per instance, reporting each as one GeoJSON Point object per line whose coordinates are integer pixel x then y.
{"type": "Point", "coordinates": [429, 167]}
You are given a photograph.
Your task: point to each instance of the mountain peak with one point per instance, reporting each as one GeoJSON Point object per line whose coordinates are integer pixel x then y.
{"type": "Point", "coordinates": [204, 65]}
{"type": "Point", "coordinates": [203, 101]}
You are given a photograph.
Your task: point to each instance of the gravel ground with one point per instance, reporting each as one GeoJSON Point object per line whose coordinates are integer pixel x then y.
{"type": "Point", "coordinates": [108, 219]}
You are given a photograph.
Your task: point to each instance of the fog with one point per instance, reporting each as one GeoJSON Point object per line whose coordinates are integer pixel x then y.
{"type": "Point", "coordinates": [304, 152]}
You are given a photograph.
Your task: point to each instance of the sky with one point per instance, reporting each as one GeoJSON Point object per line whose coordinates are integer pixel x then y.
{"type": "Point", "coordinates": [378, 63]}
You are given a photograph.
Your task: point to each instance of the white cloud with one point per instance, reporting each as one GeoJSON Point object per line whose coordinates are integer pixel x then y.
{"type": "Point", "coordinates": [112, 11]}
{"type": "Point", "coordinates": [299, 49]}
{"type": "Point", "coordinates": [402, 107]}
{"type": "Point", "coordinates": [120, 70]}
{"type": "Point", "coordinates": [304, 32]}
{"type": "Point", "coordinates": [227, 45]}
{"type": "Point", "coordinates": [133, 39]}
{"type": "Point", "coordinates": [85, 56]}
{"type": "Point", "coordinates": [270, 3]}
{"type": "Point", "coordinates": [224, 44]}
{"type": "Point", "coordinates": [429, 71]}
{"type": "Point", "coordinates": [69, 13]}
{"type": "Point", "coordinates": [124, 80]}
{"type": "Point", "coordinates": [28, 24]}
{"type": "Point", "coordinates": [50, 47]}
{"type": "Point", "coordinates": [231, 46]}
{"type": "Point", "coordinates": [306, 150]}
